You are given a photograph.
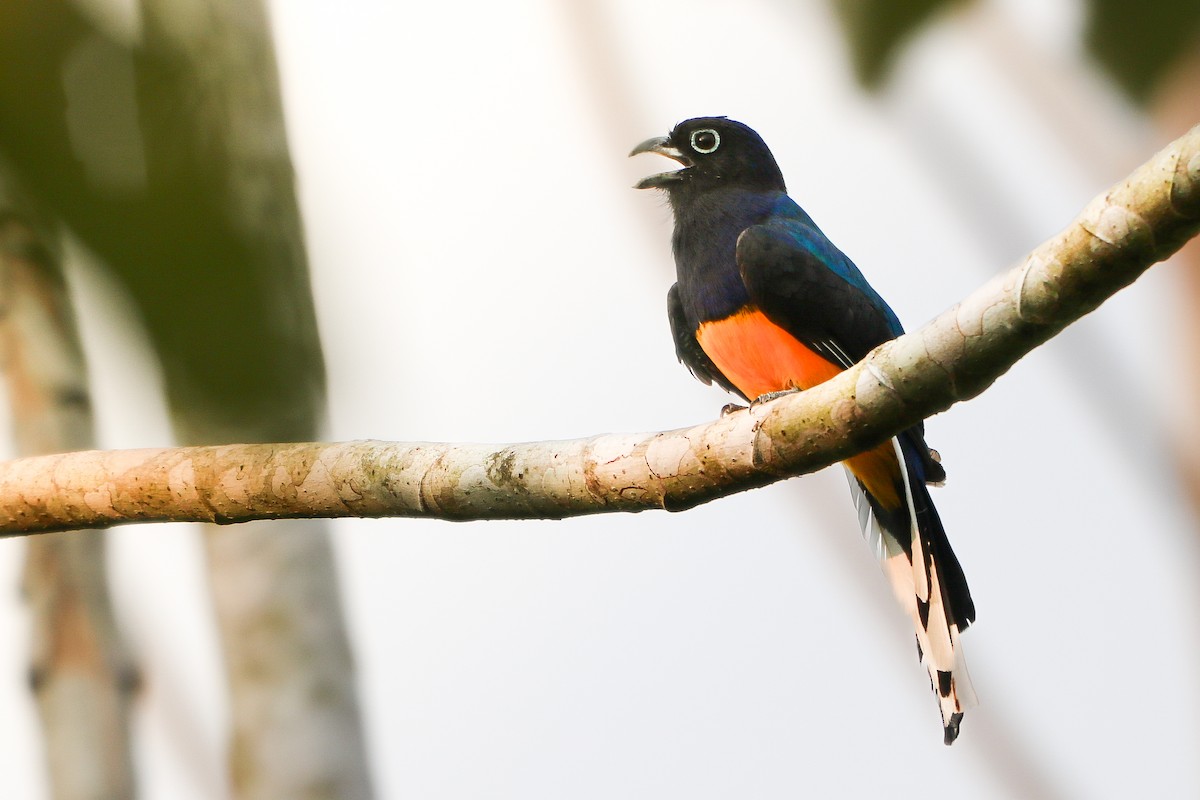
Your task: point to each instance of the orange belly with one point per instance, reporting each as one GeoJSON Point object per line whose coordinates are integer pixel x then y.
{"type": "Point", "coordinates": [758, 357]}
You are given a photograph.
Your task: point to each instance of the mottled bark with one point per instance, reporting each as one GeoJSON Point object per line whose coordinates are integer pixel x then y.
{"type": "Point", "coordinates": [80, 673]}
{"type": "Point", "coordinates": [1120, 234]}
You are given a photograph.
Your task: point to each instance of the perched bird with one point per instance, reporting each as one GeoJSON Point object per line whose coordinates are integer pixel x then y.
{"type": "Point", "coordinates": [765, 303]}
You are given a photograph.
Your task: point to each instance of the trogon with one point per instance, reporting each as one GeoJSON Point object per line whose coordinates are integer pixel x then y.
{"type": "Point", "coordinates": [765, 303]}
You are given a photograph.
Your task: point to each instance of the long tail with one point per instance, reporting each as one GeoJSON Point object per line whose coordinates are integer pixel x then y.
{"type": "Point", "coordinates": [928, 581]}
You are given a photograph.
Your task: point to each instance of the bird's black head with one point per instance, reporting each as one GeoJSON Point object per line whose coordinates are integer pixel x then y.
{"type": "Point", "coordinates": [715, 152]}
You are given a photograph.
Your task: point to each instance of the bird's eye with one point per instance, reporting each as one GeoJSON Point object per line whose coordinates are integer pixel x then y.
{"type": "Point", "coordinates": [705, 141]}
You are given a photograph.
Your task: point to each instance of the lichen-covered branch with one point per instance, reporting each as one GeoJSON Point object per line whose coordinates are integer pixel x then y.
{"type": "Point", "coordinates": [1137, 223]}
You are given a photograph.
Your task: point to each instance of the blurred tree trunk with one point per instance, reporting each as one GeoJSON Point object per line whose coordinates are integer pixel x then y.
{"type": "Point", "coordinates": [296, 726]}
{"type": "Point", "coordinates": [168, 158]}
{"type": "Point", "coordinates": [296, 730]}
{"type": "Point", "coordinates": [1175, 106]}
{"type": "Point", "coordinates": [81, 674]}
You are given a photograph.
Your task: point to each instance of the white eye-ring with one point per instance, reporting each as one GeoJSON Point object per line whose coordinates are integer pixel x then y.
{"type": "Point", "coordinates": [706, 140]}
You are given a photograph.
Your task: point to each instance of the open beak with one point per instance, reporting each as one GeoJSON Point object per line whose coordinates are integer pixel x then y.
{"type": "Point", "coordinates": [661, 145]}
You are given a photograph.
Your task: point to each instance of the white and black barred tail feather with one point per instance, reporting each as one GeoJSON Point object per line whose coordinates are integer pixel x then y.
{"type": "Point", "coordinates": [917, 581]}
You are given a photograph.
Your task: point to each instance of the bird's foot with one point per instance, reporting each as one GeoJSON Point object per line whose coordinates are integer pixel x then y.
{"type": "Point", "coordinates": [938, 476]}
{"type": "Point", "coordinates": [769, 396]}
{"type": "Point", "coordinates": [730, 408]}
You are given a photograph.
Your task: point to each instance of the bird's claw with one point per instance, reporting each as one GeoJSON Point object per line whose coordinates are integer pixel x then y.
{"type": "Point", "coordinates": [729, 408]}
{"type": "Point", "coordinates": [769, 396]}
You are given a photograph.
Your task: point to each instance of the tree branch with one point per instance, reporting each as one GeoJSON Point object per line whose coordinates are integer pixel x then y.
{"type": "Point", "coordinates": [1120, 234]}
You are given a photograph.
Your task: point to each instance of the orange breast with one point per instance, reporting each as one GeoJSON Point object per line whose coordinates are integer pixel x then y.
{"type": "Point", "coordinates": [758, 357]}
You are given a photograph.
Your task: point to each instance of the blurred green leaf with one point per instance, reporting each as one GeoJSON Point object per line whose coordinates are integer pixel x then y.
{"type": "Point", "coordinates": [876, 29]}
{"type": "Point", "coordinates": [225, 298]}
{"type": "Point", "coordinates": [1137, 42]}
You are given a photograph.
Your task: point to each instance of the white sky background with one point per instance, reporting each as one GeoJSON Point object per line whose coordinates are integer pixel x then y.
{"type": "Point", "coordinates": [483, 271]}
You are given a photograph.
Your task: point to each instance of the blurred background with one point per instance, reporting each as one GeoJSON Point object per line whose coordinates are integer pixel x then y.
{"type": "Point", "coordinates": [452, 186]}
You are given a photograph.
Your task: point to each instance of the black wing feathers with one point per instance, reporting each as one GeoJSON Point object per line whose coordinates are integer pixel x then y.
{"type": "Point", "coordinates": [808, 288]}
{"type": "Point", "coordinates": [688, 350]}
{"type": "Point", "coordinates": [802, 294]}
